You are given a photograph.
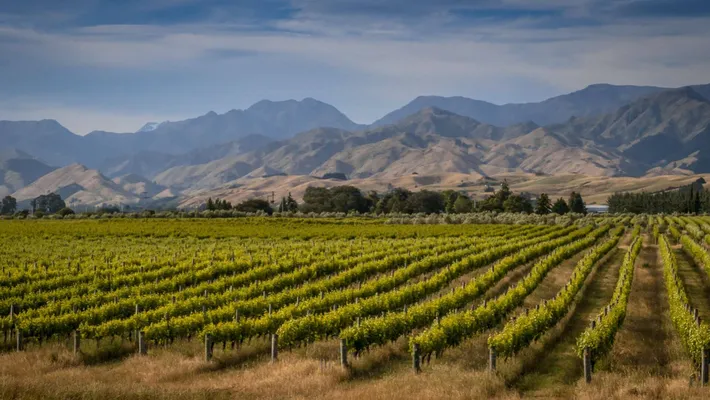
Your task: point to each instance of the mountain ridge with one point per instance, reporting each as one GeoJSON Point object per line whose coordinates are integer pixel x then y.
{"type": "Point", "coordinates": [663, 132]}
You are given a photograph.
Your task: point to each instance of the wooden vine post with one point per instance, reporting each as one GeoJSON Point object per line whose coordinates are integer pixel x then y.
{"type": "Point", "coordinates": [587, 359]}
{"type": "Point", "coordinates": [20, 342]}
{"type": "Point", "coordinates": [704, 364]}
{"type": "Point", "coordinates": [587, 365]}
{"type": "Point", "coordinates": [77, 342]}
{"type": "Point", "coordinates": [492, 360]}
{"type": "Point", "coordinates": [416, 359]}
{"type": "Point", "coordinates": [343, 354]}
{"type": "Point", "coordinates": [208, 347]}
{"type": "Point", "coordinates": [142, 345]}
{"type": "Point", "coordinates": [274, 347]}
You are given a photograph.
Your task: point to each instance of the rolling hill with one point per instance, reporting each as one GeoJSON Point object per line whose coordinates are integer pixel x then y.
{"type": "Point", "coordinates": [18, 169]}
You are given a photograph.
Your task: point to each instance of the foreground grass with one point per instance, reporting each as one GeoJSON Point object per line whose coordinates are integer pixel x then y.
{"type": "Point", "coordinates": [52, 373]}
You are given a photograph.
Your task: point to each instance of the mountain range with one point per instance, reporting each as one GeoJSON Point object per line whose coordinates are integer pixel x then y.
{"type": "Point", "coordinates": [602, 130]}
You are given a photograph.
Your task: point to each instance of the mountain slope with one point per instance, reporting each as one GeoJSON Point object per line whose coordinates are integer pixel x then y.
{"type": "Point", "coordinates": [592, 100]}
{"type": "Point", "coordinates": [18, 169]}
{"type": "Point", "coordinates": [53, 143]}
{"type": "Point", "coordinates": [429, 141]}
{"type": "Point", "coordinates": [291, 116]}
{"type": "Point", "coordinates": [665, 126]}
{"type": "Point", "coordinates": [138, 185]}
{"type": "Point", "coordinates": [47, 140]}
{"type": "Point", "coordinates": [276, 120]}
{"type": "Point", "coordinates": [545, 152]}
{"type": "Point", "coordinates": [76, 183]}
{"type": "Point", "coordinates": [150, 163]}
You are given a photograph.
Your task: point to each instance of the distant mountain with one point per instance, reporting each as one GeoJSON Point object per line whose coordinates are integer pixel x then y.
{"type": "Point", "coordinates": [431, 140]}
{"type": "Point", "coordinates": [56, 145]}
{"type": "Point", "coordinates": [655, 130]}
{"type": "Point", "coordinates": [703, 90]}
{"type": "Point", "coordinates": [18, 169]}
{"type": "Point", "coordinates": [602, 130]}
{"type": "Point", "coordinates": [592, 100]}
{"type": "Point", "coordinates": [150, 126]}
{"type": "Point", "coordinates": [77, 184]}
{"type": "Point", "coordinates": [291, 116]}
{"type": "Point", "coordinates": [47, 140]}
{"type": "Point", "coordinates": [667, 130]}
{"type": "Point", "coordinates": [138, 185]}
{"type": "Point", "coordinates": [150, 163]}
{"type": "Point", "coordinates": [203, 176]}
{"type": "Point", "coordinates": [277, 120]}
{"type": "Point", "coordinates": [434, 141]}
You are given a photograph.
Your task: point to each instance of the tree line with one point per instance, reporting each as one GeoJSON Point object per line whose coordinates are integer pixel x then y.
{"type": "Point", "coordinates": [689, 199]}
{"type": "Point", "coordinates": [347, 199]}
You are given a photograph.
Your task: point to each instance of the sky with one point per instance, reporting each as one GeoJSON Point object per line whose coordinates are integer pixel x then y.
{"type": "Point", "coordinates": [116, 64]}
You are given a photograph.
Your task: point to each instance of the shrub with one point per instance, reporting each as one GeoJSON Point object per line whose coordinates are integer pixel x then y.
{"type": "Point", "coordinates": [65, 211]}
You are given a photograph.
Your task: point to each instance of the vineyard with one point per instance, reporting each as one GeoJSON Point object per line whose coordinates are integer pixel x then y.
{"type": "Point", "coordinates": [349, 307]}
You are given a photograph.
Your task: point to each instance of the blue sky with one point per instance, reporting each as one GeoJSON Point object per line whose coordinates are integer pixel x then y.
{"type": "Point", "coordinates": [115, 64]}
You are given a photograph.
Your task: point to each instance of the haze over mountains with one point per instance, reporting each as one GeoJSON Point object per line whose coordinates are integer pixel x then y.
{"type": "Point", "coordinates": [602, 130]}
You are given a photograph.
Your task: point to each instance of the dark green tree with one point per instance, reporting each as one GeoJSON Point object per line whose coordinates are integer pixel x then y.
{"type": "Point", "coordinates": [337, 199]}
{"type": "Point", "coordinates": [463, 204]}
{"type": "Point", "coordinates": [560, 207]}
{"type": "Point", "coordinates": [504, 192]}
{"type": "Point", "coordinates": [316, 199]}
{"type": "Point", "coordinates": [65, 211]}
{"type": "Point", "coordinates": [393, 201]}
{"type": "Point", "coordinates": [254, 205]}
{"type": "Point", "coordinates": [517, 204]}
{"type": "Point", "coordinates": [282, 205]}
{"type": "Point", "coordinates": [692, 198]}
{"type": "Point", "coordinates": [8, 206]}
{"type": "Point", "coordinates": [576, 203]}
{"type": "Point", "coordinates": [348, 198]}
{"type": "Point", "coordinates": [48, 203]}
{"type": "Point", "coordinates": [450, 197]}
{"type": "Point", "coordinates": [291, 204]}
{"type": "Point", "coordinates": [425, 201]}
{"type": "Point", "coordinates": [544, 205]}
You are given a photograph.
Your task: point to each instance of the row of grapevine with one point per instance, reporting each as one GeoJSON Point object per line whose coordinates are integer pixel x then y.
{"type": "Point", "coordinates": [297, 324]}
{"type": "Point", "coordinates": [455, 328]}
{"type": "Point", "coordinates": [599, 339]}
{"type": "Point", "coordinates": [529, 326]}
{"type": "Point", "coordinates": [215, 278]}
{"type": "Point", "coordinates": [697, 252]}
{"type": "Point", "coordinates": [130, 281]}
{"type": "Point", "coordinates": [132, 273]}
{"type": "Point", "coordinates": [110, 316]}
{"type": "Point", "coordinates": [380, 330]}
{"type": "Point", "coordinates": [183, 319]}
{"type": "Point", "coordinates": [694, 337]}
